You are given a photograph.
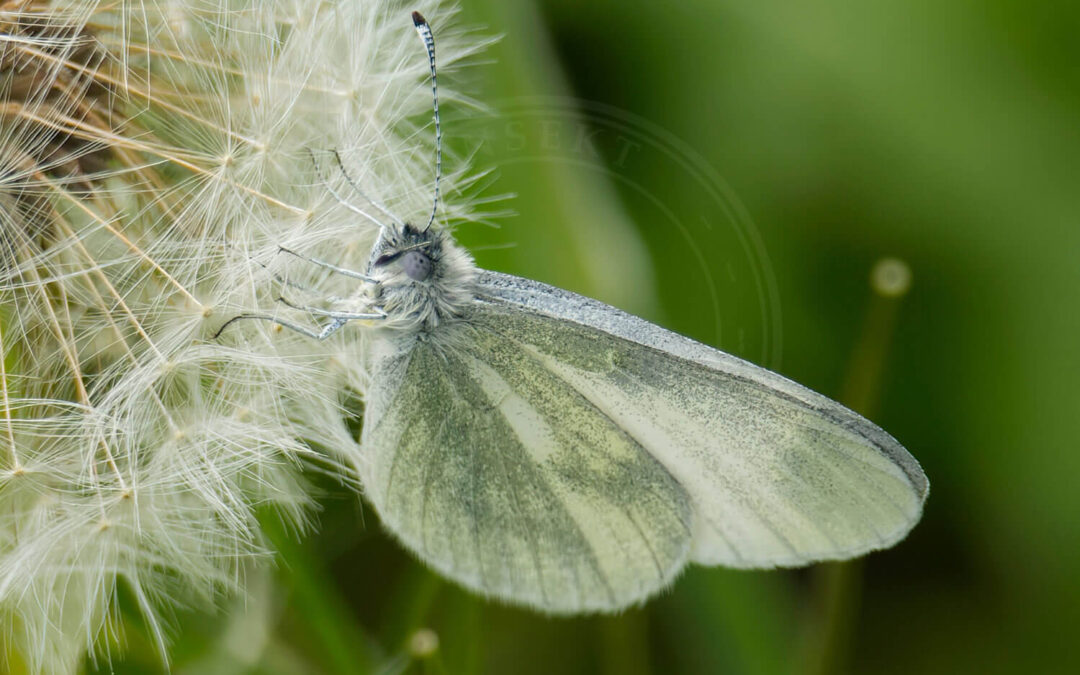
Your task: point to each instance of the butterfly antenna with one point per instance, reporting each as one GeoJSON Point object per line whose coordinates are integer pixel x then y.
{"type": "Point", "coordinates": [424, 30]}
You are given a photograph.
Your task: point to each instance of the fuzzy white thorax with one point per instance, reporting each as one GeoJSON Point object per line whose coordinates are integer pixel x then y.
{"type": "Point", "coordinates": [417, 307]}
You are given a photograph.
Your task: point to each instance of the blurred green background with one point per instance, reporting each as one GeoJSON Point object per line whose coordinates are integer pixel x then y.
{"type": "Point", "coordinates": [946, 134]}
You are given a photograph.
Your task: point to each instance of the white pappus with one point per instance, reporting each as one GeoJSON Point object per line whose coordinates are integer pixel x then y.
{"type": "Point", "coordinates": [552, 451]}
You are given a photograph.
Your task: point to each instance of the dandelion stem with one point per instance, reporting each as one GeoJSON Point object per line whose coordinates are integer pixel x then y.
{"type": "Point", "coordinates": [837, 586]}
{"type": "Point", "coordinates": [343, 646]}
{"type": "Point", "coordinates": [412, 602]}
{"type": "Point", "coordinates": [624, 644]}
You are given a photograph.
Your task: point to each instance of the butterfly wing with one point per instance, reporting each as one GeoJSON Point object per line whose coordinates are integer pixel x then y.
{"type": "Point", "coordinates": [563, 454]}
{"type": "Point", "coordinates": [502, 477]}
{"type": "Point", "coordinates": [777, 475]}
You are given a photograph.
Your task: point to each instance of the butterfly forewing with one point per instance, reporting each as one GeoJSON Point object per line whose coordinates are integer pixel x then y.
{"type": "Point", "coordinates": [777, 475]}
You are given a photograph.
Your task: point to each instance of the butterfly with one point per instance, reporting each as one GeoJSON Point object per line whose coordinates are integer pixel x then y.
{"type": "Point", "coordinates": [549, 450]}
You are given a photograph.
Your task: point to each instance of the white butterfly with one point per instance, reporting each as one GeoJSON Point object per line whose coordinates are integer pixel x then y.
{"type": "Point", "coordinates": [552, 451]}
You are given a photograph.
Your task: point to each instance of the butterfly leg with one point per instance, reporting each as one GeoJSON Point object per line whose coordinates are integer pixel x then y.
{"type": "Point", "coordinates": [347, 316]}
{"type": "Point", "coordinates": [294, 284]}
{"type": "Point", "coordinates": [321, 335]}
{"type": "Point", "coordinates": [339, 321]}
{"type": "Point", "coordinates": [330, 266]}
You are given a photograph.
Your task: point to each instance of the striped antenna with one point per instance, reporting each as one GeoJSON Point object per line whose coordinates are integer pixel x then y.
{"type": "Point", "coordinates": [424, 29]}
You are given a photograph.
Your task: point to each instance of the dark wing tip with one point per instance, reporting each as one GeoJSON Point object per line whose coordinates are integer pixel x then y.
{"type": "Point", "coordinates": [418, 19]}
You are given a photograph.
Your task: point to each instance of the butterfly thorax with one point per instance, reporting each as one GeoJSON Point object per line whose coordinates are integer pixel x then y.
{"type": "Point", "coordinates": [422, 279]}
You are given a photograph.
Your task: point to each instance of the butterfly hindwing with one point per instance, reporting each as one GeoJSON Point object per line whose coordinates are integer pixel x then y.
{"type": "Point", "coordinates": [497, 473]}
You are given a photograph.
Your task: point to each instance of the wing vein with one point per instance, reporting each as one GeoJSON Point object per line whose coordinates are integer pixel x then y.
{"type": "Point", "coordinates": [529, 351]}
{"type": "Point", "coordinates": [519, 512]}
{"type": "Point", "coordinates": [648, 545]}
{"type": "Point", "coordinates": [592, 557]}
{"type": "Point", "coordinates": [831, 466]}
{"type": "Point", "coordinates": [397, 455]}
{"type": "Point", "coordinates": [532, 353]}
{"type": "Point", "coordinates": [740, 497]}
{"type": "Point", "coordinates": [427, 488]}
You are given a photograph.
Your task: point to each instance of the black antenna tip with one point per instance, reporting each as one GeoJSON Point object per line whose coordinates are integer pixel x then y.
{"type": "Point", "coordinates": [418, 19]}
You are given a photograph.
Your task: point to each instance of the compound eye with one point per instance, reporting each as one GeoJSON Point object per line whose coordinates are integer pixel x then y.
{"type": "Point", "coordinates": [417, 265]}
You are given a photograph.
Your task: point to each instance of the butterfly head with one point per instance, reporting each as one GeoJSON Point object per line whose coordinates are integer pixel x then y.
{"type": "Point", "coordinates": [407, 250]}
{"type": "Point", "coordinates": [422, 277]}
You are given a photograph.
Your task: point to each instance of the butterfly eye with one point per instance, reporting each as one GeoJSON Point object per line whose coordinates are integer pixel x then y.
{"type": "Point", "coordinates": [417, 265]}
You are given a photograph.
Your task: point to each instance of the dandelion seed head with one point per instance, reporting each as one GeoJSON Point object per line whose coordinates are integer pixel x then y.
{"type": "Point", "coordinates": [153, 159]}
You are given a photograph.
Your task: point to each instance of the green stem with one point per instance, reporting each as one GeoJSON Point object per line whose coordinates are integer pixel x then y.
{"type": "Point", "coordinates": [624, 644]}
{"type": "Point", "coordinates": [837, 587]}
{"type": "Point", "coordinates": [410, 606]}
{"type": "Point", "coordinates": [341, 645]}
